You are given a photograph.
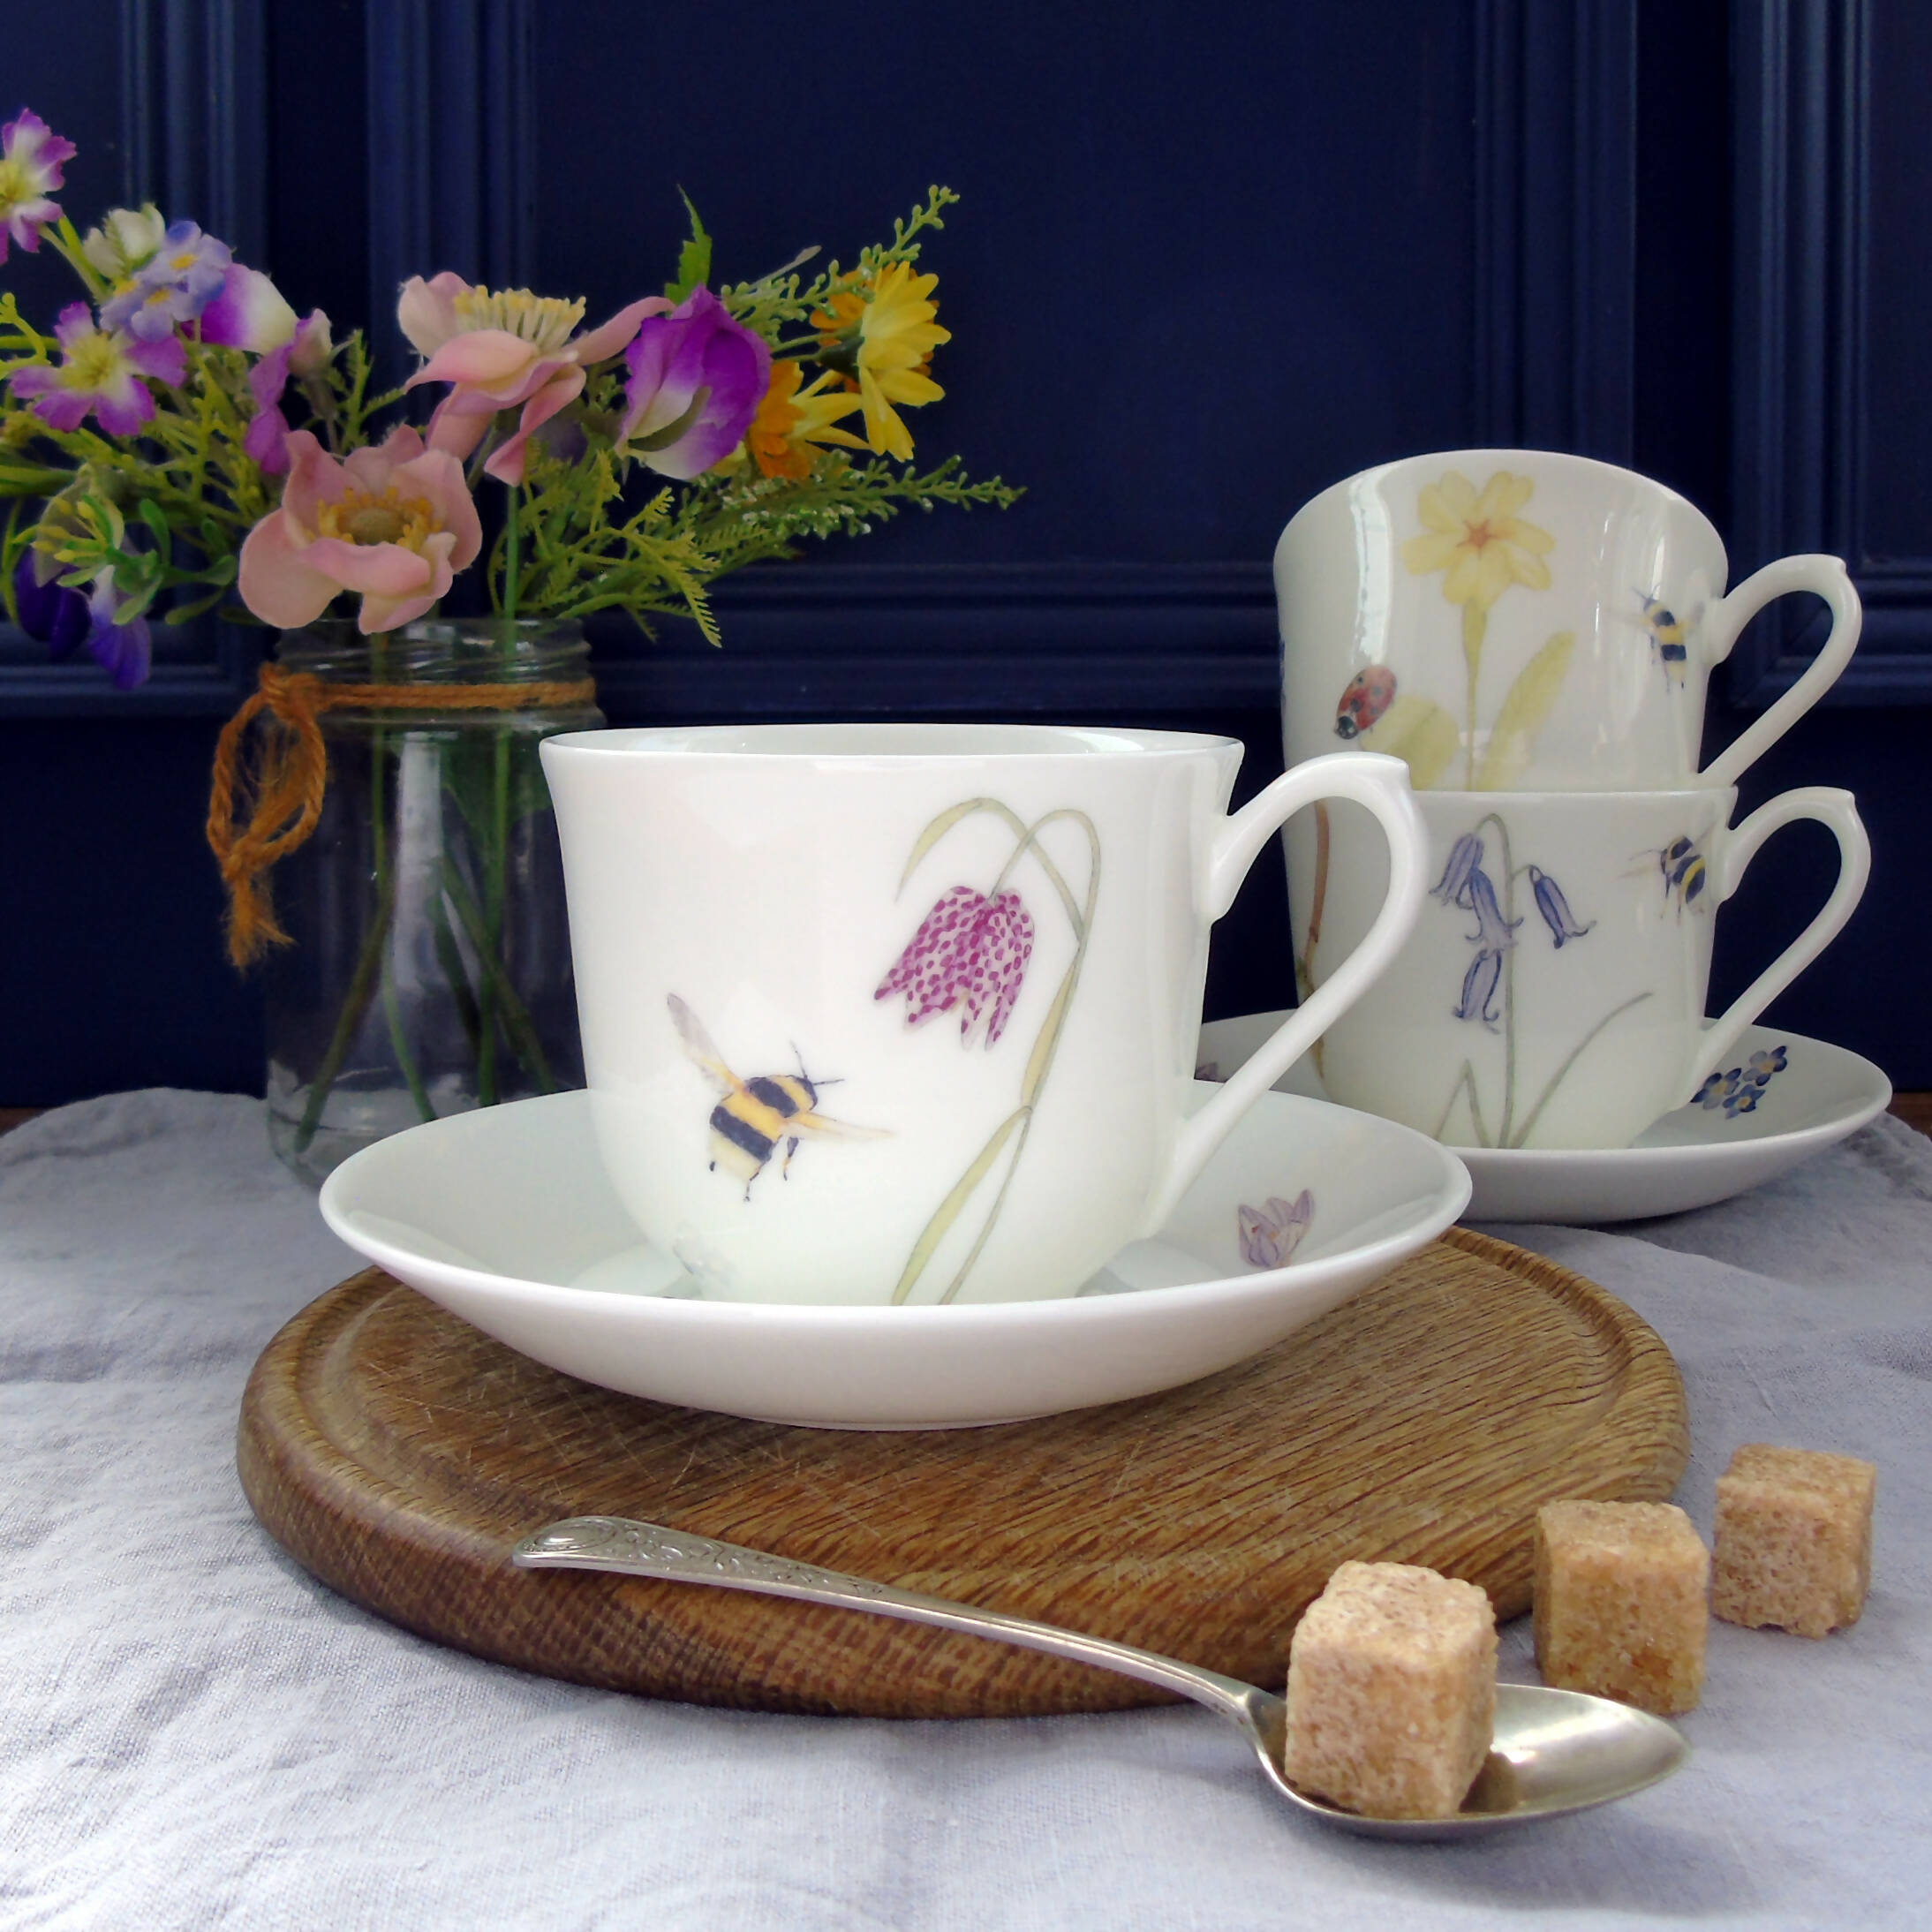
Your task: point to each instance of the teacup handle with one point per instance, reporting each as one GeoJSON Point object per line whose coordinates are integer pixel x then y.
{"type": "Point", "coordinates": [1830, 807]}
{"type": "Point", "coordinates": [1381, 785]}
{"type": "Point", "coordinates": [1828, 576]}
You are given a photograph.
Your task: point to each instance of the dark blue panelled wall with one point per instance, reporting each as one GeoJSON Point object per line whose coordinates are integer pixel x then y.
{"type": "Point", "coordinates": [1207, 262]}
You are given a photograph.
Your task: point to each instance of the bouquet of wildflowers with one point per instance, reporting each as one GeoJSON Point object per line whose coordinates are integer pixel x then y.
{"type": "Point", "coordinates": [184, 441]}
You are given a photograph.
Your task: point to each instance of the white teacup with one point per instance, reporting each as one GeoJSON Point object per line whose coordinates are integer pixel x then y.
{"type": "Point", "coordinates": [1552, 993]}
{"type": "Point", "coordinates": [891, 1013]}
{"type": "Point", "coordinates": [1513, 620]}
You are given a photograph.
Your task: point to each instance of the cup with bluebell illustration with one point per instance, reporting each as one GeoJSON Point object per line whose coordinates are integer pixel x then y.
{"type": "Point", "coordinates": [1552, 994]}
{"type": "Point", "coordinates": [1519, 620]}
{"type": "Point", "coordinates": [907, 1014]}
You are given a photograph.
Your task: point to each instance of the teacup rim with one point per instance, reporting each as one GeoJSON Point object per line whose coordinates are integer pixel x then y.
{"type": "Point", "coordinates": [1604, 798]}
{"type": "Point", "coordinates": [1502, 455]}
{"type": "Point", "coordinates": [782, 743]}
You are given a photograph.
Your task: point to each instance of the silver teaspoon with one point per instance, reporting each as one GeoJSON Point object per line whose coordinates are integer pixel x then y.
{"type": "Point", "coordinates": [1554, 1751]}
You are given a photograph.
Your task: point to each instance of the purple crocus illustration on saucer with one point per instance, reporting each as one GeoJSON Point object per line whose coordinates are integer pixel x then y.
{"type": "Point", "coordinates": [1272, 1232]}
{"type": "Point", "coordinates": [969, 952]}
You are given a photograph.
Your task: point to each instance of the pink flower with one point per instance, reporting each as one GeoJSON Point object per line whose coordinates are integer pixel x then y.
{"type": "Point", "coordinates": [506, 349]}
{"type": "Point", "coordinates": [1270, 1235]}
{"type": "Point", "coordinates": [969, 952]}
{"type": "Point", "coordinates": [696, 379]}
{"type": "Point", "coordinates": [395, 523]}
{"type": "Point", "coordinates": [30, 159]}
{"type": "Point", "coordinates": [101, 372]}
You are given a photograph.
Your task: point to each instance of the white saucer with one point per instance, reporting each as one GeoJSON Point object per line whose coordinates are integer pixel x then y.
{"type": "Point", "coordinates": [504, 1217]}
{"type": "Point", "coordinates": [1685, 1159]}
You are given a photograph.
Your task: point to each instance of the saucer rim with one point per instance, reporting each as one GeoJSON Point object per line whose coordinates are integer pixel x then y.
{"type": "Point", "coordinates": [1820, 1133]}
{"type": "Point", "coordinates": [1455, 1189]}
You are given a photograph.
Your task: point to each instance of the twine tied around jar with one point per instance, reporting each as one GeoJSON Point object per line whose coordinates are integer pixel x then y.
{"type": "Point", "coordinates": [283, 789]}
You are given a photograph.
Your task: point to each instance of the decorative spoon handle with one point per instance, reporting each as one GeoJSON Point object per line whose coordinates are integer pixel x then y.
{"type": "Point", "coordinates": [636, 1549]}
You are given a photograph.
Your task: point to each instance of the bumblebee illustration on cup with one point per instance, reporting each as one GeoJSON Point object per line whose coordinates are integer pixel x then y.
{"type": "Point", "coordinates": [756, 1114]}
{"type": "Point", "coordinates": [1680, 865]}
{"type": "Point", "coordinates": [1669, 632]}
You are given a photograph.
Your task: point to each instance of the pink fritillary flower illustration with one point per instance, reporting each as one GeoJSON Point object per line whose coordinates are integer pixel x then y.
{"type": "Point", "coordinates": [1270, 1235]}
{"type": "Point", "coordinates": [969, 952]}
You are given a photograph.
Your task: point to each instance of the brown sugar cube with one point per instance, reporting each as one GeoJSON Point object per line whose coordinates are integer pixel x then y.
{"type": "Point", "coordinates": [1620, 1601]}
{"type": "Point", "coordinates": [1391, 1691]}
{"type": "Point", "coordinates": [1794, 1538]}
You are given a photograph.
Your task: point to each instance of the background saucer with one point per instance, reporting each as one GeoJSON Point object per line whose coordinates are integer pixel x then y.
{"type": "Point", "coordinates": [1685, 1159]}
{"type": "Point", "coordinates": [504, 1217]}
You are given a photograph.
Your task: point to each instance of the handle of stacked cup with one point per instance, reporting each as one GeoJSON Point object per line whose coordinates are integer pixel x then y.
{"type": "Point", "coordinates": [1831, 808]}
{"type": "Point", "coordinates": [1828, 578]}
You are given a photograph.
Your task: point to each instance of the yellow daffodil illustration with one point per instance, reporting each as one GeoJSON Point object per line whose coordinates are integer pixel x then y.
{"type": "Point", "coordinates": [1479, 543]}
{"type": "Point", "coordinates": [1482, 546]}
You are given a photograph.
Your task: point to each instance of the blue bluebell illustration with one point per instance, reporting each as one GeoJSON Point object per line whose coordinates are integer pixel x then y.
{"type": "Point", "coordinates": [1464, 856]}
{"type": "Point", "coordinates": [1479, 988]}
{"type": "Point", "coordinates": [1493, 933]}
{"type": "Point", "coordinates": [1465, 883]}
{"type": "Point", "coordinates": [1554, 908]}
{"type": "Point", "coordinates": [1737, 1090]}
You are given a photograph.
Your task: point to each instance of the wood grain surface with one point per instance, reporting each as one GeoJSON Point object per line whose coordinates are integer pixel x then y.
{"type": "Point", "coordinates": [398, 1453]}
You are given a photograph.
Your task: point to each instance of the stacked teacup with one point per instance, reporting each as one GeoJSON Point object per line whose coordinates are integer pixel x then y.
{"type": "Point", "coordinates": [1532, 634]}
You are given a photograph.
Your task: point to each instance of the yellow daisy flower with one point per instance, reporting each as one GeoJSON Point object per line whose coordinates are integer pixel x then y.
{"type": "Point", "coordinates": [1479, 543]}
{"type": "Point", "coordinates": [790, 420]}
{"type": "Point", "coordinates": [891, 335]}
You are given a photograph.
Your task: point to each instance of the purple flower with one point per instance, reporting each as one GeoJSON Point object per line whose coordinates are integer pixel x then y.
{"type": "Point", "coordinates": [1493, 933]}
{"type": "Point", "coordinates": [49, 612]}
{"type": "Point", "coordinates": [30, 159]}
{"type": "Point", "coordinates": [1479, 988]}
{"type": "Point", "coordinates": [267, 440]}
{"type": "Point", "coordinates": [125, 647]}
{"type": "Point", "coordinates": [696, 379]}
{"type": "Point", "coordinates": [969, 952]}
{"type": "Point", "coordinates": [248, 312]}
{"type": "Point", "coordinates": [1270, 1235]}
{"type": "Point", "coordinates": [306, 353]}
{"type": "Point", "coordinates": [1554, 908]}
{"type": "Point", "coordinates": [1464, 856]}
{"type": "Point", "coordinates": [102, 373]}
{"type": "Point", "coordinates": [184, 276]}
{"type": "Point", "coordinates": [1465, 883]}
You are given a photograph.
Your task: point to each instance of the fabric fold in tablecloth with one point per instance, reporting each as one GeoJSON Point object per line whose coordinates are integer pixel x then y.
{"type": "Point", "coordinates": [195, 1733]}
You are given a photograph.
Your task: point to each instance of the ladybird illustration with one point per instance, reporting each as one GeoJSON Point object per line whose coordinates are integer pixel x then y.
{"type": "Point", "coordinates": [1369, 694]}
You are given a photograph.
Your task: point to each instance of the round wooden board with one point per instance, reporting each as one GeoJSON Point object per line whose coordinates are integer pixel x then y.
{"type": "Point", "coordinates": [398, 1453]}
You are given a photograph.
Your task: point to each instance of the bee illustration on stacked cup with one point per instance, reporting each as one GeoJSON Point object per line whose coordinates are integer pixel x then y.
{"type": "Point", "coordinates": [1532, 634]}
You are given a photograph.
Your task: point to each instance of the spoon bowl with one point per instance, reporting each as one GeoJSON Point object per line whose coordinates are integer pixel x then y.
{"type": "Point", "coordinates": [1553, 1751]}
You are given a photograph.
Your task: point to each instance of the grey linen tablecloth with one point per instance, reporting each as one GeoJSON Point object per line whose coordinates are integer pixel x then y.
{"type": "Point", "coordinates": [195, 1733]}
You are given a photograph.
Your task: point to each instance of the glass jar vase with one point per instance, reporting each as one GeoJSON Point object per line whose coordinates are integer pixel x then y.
{"type": "Point", "coordinates": [429, 964]}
